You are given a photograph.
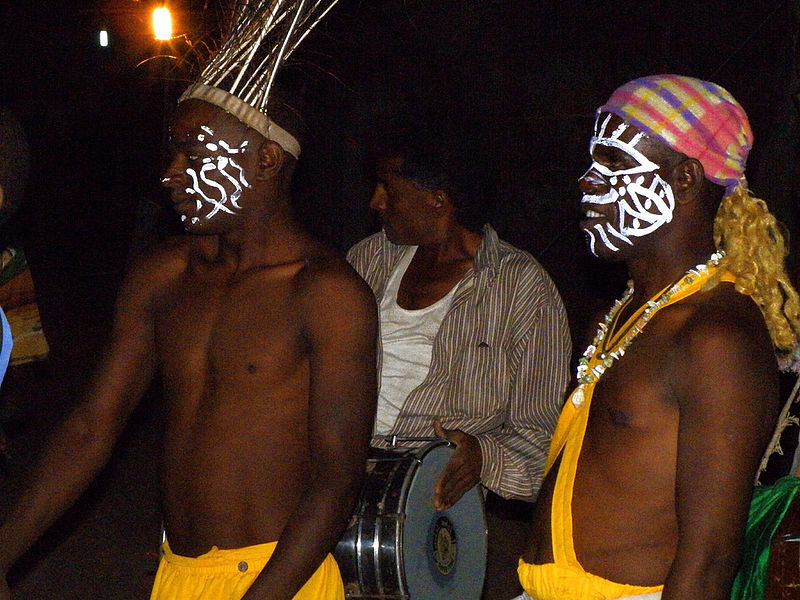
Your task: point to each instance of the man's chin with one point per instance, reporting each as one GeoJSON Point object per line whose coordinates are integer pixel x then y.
{"type": "Point", "coordinates": [598, 249]}
{"type": "Point", "coordinates": [197, 226]}
{"type": "Point", "coordinates": [392, 236]}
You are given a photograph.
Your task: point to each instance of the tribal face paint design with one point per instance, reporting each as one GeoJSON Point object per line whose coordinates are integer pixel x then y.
{"type": "Point", "coordinates": [204, 188]}
{"type": "Point", "coordinates": [644, 200]}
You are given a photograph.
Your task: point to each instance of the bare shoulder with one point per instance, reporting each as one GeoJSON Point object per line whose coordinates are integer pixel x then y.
{"type": "Point", "coordinates": [329, 290]}
{"type": "Point", "coordinates": [327, 276]}
{"type": "Point", "coordinates": [156, 270]}
{"type": "Point", "coordinates": [722, 346]}
{"type": "Point", "coordinates": [163, 260]}
{"type": "Point", "coordinates": [723, 317]}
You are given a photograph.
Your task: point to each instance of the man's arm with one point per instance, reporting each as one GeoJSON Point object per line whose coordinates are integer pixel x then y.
{"type": "Point", "coordinates": [81, 445]}
{"type": "Point", "coordinates": [341, 328]}
{"type": "Point", "coordinates": [510, 460]}
{"type": "Point", "coordinates": [728, 401]}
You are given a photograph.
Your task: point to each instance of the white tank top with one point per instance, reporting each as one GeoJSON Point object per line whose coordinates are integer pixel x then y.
{"type": "Point", "coordinates": [407, 343]}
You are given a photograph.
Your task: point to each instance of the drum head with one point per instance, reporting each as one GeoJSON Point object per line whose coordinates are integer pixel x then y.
{"type": "Point", "coordinates": [444, 552]}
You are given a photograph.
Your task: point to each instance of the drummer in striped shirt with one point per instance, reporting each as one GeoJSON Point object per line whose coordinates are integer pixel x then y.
{"type": "Point", "coordinates": [473, 333]}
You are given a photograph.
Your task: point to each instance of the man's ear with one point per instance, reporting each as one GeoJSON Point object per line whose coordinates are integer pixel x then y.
{"type": "Point", "coordinates": [270, 160]}
{"type": "Point", "coordinates": [438, 199]}
{"type": "Point", "coordinates": [687, 180]}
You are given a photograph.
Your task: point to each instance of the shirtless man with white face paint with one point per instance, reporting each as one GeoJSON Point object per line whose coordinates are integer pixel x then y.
{"type": "Point", "coordinates": [651, 468]}
{"type": "Point", "coordinates": [265, 342]}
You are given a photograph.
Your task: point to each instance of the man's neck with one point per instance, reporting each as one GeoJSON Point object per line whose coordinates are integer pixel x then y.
{"type": "Point", "coordinates": [652, 273]}
{"type": "Point", "coordinates": [265, 242]}
{"type": "Point", "coordinates": [437, 267]}
{"type": "Point", "coordinates": [455, 244]}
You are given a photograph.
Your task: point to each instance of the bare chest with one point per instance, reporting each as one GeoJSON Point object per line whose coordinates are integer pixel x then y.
{"type": "Point", "coordinates": [422, 287]}
{"type": "Point", "coordinates": [634, 411]}
{"type": "Point", "coordinates": [245, 331]}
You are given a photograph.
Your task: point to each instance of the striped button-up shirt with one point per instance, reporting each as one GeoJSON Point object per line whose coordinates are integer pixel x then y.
{"type": "Point", "coordinates": [499, 366]}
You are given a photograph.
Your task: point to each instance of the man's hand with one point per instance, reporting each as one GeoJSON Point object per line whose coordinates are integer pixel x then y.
{"type": "Point", "coordinates": [463, 470]}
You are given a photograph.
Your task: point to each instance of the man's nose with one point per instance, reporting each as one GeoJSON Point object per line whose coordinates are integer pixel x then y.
{"type": "Point", "coordinates": [173, 173]}
{"type": "Point", "coordinates": [378, 200]}
{"type": "Point", "coordinates": [591, 181]}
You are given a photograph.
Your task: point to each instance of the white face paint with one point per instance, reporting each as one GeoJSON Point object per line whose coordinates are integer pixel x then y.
{"type": "Point", "coordinates": [207, 191]}
{"type": "Point", "coordinates": [644, 200]}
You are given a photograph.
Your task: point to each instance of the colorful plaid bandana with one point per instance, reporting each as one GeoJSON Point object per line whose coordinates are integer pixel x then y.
{"type": "Point", "coordinates": [698, 118]}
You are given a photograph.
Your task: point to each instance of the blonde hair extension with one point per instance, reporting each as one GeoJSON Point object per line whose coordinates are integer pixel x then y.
{"type": "Point", "coordinates": [755, 251]}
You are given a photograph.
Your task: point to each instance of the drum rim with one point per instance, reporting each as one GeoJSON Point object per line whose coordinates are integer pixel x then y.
{"type": "Point", "coordinates": [391, 526]}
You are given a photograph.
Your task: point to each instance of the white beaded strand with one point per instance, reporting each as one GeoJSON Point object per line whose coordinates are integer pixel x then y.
{"type": "Point", "coordinates": [591, 374]}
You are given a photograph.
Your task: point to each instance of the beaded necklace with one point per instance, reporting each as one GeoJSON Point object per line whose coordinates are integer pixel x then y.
{"type": "Point", "coordinates": [610, 345]}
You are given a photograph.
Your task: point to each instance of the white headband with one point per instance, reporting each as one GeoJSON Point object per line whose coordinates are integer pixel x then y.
{"type": "Point", "coordinates": [246, 114]}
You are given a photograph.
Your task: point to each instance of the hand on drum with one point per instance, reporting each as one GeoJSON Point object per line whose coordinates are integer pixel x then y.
{"type": "Point", "coordinates": [463, 470]}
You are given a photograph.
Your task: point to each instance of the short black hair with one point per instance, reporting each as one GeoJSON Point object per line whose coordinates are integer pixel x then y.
{"type": "Point", "coordinates": [286, 108]}
{"type": "Point", "coordinates": [14, 163]}
{"type": "Point", "coordinates": [438, 155]}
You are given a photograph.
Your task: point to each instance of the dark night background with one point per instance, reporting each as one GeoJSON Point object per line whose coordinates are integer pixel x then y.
{"type": "Point", "coordinates": [525, 76]}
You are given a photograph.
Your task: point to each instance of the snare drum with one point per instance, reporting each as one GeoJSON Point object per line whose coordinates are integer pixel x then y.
{"type": "Point", "coordinates": [398, 546]}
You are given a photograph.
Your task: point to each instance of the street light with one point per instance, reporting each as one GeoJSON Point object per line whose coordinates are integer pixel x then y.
{"type": "Point", "coordinates": [162, 23]}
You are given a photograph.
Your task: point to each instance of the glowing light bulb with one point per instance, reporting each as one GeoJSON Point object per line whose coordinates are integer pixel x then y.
{"type": "Point", "coordinates": [162, 23]}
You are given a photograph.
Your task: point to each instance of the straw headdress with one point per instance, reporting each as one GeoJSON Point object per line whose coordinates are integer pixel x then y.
{"type": "Point", "coordinates": [240, 76]}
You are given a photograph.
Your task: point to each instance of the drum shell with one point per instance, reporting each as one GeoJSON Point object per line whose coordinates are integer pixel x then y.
{"type": "Point", "coordinates": [387, 551]}
{"type": "Point", "coordinates": [370, 550]}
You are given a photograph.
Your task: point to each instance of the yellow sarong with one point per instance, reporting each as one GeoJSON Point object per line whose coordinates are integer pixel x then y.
{"type": "Point", "coordinates": [565, 578]}
{"type": "Point", "coordinates": [228, 574]}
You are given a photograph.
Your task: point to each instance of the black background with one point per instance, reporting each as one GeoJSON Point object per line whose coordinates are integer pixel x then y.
{"type": "Point", "coordinates": [526, 75]}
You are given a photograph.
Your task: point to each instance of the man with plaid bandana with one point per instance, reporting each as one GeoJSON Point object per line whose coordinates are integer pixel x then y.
{"type": "Point", "coordinates": [650, 472]}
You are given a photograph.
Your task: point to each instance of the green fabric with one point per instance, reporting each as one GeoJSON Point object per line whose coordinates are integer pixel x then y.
{"type": "Point", "coordinates": [767, 509]}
